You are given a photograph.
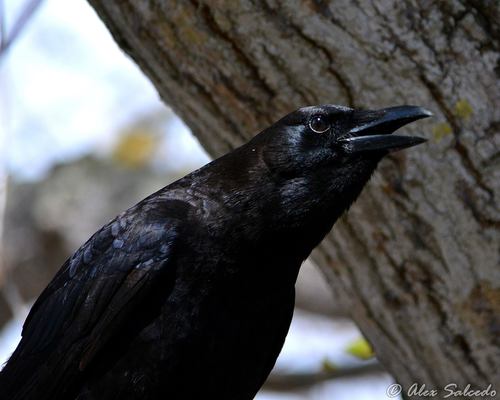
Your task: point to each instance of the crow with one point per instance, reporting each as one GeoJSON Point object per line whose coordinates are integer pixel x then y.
{"type": "Point", "coordinates": [189, 294]}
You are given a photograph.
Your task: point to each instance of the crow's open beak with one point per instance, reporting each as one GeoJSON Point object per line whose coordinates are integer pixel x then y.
{"type": "Point", "coordinates": [373, 128]}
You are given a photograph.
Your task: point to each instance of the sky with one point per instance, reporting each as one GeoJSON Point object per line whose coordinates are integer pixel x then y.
{"type": "Point", "coordinates": [66, 89]}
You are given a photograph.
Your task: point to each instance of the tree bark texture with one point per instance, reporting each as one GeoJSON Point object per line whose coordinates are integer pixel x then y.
{"type": "Point", "coordinates": [417, 258]}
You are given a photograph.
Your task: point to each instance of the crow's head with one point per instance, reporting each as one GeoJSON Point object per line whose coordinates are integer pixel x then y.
{"type": "Point", "coordinates": [298, 176]}
{"type": "Point", "coordinates": [320, 157]}
{"type": "Point", "coordinates": [330, 137]}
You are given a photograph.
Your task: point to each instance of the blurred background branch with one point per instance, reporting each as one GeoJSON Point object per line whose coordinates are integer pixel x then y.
{"type": "Point", "coordinates": [9, 35]}
{"type": "Point", "coordinates": [282, 381]}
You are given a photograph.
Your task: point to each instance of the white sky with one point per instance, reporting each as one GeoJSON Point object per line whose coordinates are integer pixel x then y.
{"type": "Point", "coordinates": [66, 89]}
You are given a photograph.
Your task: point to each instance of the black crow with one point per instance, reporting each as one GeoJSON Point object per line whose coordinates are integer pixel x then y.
{"type": "Point", "coordinates": [189, 294]}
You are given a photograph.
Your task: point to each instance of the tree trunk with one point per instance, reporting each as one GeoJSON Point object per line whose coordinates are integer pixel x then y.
{"type": "Point", "coordinates": [416, 260]}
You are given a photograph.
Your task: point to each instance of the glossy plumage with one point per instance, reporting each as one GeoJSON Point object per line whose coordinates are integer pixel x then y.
{"type": "Point", "coordinates": [190, 293]}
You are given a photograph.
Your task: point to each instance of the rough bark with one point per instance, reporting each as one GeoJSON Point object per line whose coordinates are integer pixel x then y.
{"type": "Point", "coordinates": [416, 260]}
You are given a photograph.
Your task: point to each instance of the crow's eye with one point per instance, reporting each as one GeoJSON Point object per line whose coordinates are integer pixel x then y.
{"type": "Point", "coordinates": [319, 124]}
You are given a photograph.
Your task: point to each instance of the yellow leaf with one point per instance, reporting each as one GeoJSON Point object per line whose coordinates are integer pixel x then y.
{"type": "Point", "coordinates": [361, 349]}
{"type": "Point", "coordinates": [135, 149]}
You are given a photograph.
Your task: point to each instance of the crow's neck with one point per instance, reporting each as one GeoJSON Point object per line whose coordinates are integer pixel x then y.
{"type": "Point", "coordinates": [293, 212]}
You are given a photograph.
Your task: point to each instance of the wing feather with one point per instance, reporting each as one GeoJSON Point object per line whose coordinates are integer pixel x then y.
{"type": "Point", "coordinates": [89, 301]}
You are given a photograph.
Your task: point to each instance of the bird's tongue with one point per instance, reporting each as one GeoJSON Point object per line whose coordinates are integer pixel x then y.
{"type": "Point", "coordinates": [373, 131]}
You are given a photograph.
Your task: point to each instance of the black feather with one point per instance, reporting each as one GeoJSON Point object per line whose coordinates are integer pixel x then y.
{"type": "Point", "coordinates": [190, 293]}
